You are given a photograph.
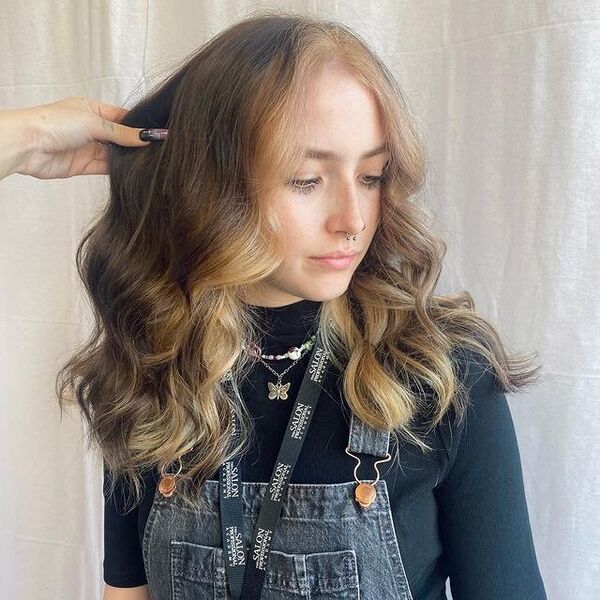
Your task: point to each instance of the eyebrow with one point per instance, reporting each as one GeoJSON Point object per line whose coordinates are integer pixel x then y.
{"type": "Point", "coordinates": [327, 155]}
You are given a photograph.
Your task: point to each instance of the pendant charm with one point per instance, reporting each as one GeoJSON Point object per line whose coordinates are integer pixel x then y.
{"type": "Point", "coordinates": [365, 493]}
{"type": "Point", "coordinates": [278, 391]}
{"type": "Point", "coordinates": [167, 485]}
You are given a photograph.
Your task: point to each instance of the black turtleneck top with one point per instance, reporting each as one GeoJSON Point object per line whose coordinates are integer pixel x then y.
{"type": "Point", "coordinates": [459, 511]}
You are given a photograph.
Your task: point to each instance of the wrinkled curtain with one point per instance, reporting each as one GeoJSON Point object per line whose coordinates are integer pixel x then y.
{"type": "Point", "coordinates": [506, 95]}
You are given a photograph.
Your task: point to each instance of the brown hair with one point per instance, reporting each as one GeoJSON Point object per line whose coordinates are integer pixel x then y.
{"type": "Point", "coordinates": [166, 264]}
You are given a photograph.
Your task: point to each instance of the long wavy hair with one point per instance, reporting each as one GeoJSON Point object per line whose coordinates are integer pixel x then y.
{"type": "Point", "coordinates": [185, 233]}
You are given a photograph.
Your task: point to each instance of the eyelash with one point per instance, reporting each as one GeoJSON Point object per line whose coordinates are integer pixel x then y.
{"type": "Point", "coordinates": [305, 188]}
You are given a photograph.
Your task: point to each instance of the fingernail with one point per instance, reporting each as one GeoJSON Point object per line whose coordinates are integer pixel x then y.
{"type": "Point", "coordinates": [153, 135]}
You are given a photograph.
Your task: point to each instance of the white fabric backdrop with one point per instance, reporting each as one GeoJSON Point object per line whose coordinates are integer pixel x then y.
{"type": "Point", "coordinates": [507, 95]}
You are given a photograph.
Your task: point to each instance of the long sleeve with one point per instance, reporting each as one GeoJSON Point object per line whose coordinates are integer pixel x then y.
{"type": "Point", "coordinates": [483, 516]}
{"type": "Point", "coordinates": [123, 561]}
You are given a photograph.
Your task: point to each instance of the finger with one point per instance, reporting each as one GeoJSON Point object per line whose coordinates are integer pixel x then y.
{"type": "Point", "coordinates": [115, 133]}
{"type": "Point", "coordinates": [111, 130]}
{"type": "Point", "coordinates": [108, 111]}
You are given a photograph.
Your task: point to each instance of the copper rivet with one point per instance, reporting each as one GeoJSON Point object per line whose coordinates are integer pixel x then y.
{"type": "Point", "coordinates": [365, 494]}
{"type": "Point", "coordinates": [166, 485]}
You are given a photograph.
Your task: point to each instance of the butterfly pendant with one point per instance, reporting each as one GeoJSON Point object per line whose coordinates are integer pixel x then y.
{"type": "Point", "coordinates": [278, 391]}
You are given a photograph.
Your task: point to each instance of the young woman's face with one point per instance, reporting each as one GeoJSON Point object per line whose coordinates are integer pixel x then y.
{"type": "Point", "coordinates": [328, 197]}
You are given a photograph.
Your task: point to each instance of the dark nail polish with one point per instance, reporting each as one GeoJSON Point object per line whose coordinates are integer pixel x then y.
{"type": "Point", "coordinates": [153, 135]}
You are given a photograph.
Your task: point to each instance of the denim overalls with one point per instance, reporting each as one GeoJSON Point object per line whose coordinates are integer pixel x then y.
{"type": "Point", "coordinates": [325, 547]}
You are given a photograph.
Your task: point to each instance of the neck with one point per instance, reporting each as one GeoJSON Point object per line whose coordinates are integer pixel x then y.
{"type": "Point", "coordinates": [268, 296]}
{"type": "Point", "coordinates": [289, 324]}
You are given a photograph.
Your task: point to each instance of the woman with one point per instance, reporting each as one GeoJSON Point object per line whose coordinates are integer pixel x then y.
{"type": "Point", "coordinates": [232, 369]}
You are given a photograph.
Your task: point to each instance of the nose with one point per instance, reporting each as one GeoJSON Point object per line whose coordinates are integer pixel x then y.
{"type": "Point", "coordinates": [349, 209]}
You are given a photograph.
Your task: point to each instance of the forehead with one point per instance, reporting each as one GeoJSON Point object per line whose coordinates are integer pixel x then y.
{"type": "Point", "coordinates": [342, 119]}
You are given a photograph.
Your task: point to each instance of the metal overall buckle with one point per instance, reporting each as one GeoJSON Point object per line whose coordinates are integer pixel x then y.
{"type": "Point", "coordinates": [365, 492]}
{"type": "Point", "coordinates": [168, 481]}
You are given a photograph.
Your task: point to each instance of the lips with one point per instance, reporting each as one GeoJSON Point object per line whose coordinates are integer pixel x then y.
{"type": "Point", "coordinates": [337, 255]}
{"type": "Point", "coordinates": [335, 263]}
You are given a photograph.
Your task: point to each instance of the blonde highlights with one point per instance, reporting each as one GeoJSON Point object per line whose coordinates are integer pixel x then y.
{"type": "Point", "coordinates": [185, 233]}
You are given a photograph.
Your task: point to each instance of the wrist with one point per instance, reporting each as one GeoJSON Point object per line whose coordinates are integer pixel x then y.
{"type": "Point", "coordinates": [18, 140]}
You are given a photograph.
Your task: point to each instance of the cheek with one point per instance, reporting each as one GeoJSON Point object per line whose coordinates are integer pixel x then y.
{"type": "Point", "coordinates": [297, 227]}
{"type": "Point", "coordinates": [296, 243]}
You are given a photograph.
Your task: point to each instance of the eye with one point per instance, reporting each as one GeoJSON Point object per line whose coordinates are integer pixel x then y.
{"type": "Point", "coordinates": [303, 186]}
{"type": "Point", "coordinates": [306, 186]}
{"type": "Point", "coordinates": [373, 181]}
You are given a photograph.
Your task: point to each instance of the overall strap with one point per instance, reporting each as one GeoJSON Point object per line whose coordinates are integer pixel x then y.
{"type": "Point", "coordinates": [367, 439]}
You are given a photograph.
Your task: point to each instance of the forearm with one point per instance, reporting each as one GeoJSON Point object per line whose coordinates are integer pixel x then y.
{"type": "Point", "coordinates": [17, 142]}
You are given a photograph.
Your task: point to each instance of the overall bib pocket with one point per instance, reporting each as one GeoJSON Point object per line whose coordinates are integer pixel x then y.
{"type": "Point", "coordinates": [198, 573]}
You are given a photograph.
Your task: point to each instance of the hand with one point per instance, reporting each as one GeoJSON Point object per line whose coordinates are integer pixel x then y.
{"type": "Point", "coordinates": [70, 137]}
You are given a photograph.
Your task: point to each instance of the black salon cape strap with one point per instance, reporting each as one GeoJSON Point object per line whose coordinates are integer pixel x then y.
{"type": "Point", "coordinates": [246, 572]}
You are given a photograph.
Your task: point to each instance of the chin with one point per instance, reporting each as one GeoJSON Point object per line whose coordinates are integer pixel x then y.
{"type": "Point", "coordinates": [326, 295]}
